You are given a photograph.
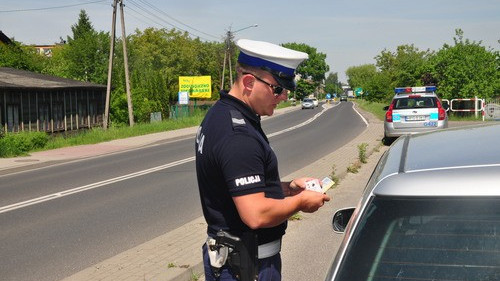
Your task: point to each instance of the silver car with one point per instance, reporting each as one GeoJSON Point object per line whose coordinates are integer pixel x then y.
{"type": "Point", "coordinates": [430, 211]}
{"type": "Point", "coordinates": [308, 103]}
{"type": "Point", "coordinates": [414, 110]}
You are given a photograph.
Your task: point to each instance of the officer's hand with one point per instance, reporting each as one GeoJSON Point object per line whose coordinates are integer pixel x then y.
{"type": "Point", "coordinates": [295, 186]}
{"type": "Point", "coordinates": [299, 183]}
{"type": "Point", "coordinates": [311, 201]}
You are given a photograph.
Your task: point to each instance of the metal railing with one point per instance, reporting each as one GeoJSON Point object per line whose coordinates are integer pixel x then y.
{"type": "Point", "coordinates": [489, 109]}
{"type": "Point", "coordinates": [185, 110]}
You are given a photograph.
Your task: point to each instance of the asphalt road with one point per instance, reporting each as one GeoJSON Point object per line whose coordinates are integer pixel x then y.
{"type": "Point", "coordinates": [134, 196]}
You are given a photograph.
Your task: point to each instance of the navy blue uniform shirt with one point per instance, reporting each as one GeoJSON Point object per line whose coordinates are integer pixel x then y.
{"type": "Point", "coordinates": [234, 158]}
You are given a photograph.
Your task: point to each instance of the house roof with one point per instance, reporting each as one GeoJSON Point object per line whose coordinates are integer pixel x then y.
{"type": "Point", "coordinates": [4, 39]}
{"type": "Point", "coordinates": [11, 78]}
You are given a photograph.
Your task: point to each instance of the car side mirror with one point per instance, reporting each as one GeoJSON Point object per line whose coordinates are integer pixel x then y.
{"type": "Point", "coordinates": [341, 218]}
{"type": "Point", "coordinates": [386, 108]}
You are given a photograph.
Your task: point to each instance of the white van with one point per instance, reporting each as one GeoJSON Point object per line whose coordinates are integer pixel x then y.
{"type": "Point", "coordinates": [315, 101]}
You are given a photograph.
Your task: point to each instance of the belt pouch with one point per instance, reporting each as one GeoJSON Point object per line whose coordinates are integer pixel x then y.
{"type": "Point", "coordinates": [245, 261]}
{"type": "Point", "coordinates": [217, 255]}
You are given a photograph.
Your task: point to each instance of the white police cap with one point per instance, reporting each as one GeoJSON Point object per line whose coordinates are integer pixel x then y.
{"type": "Point", "coordinates": [281, 62]}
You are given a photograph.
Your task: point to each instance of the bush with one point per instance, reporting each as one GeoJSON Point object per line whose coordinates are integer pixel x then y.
{"type": "Point", "coordinates": [362, 152]}
{"type": "Point", "coordinates": [16, 144]}
{"type": "Point", "coordinates": [12, 145]}
{"type": "Point", "coordinates": [38, 140]}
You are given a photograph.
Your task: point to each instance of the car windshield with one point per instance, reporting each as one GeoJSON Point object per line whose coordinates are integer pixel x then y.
{"type": "Point", "coordinates": [307, 100]}
{"type": "Point", "coordinates": [418, 102]}
{"type": "Point", "coordinates": [425, 239]}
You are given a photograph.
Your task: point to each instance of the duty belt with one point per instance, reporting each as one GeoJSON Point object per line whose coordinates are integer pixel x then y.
{"type": "Point", "coordinates": [264, 251]}
{"type": "Point", "coordinates": [269, 249]}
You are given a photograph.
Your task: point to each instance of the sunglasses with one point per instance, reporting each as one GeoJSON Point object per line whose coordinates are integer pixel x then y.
{"type": "Point", "coordinates": [277, 90]}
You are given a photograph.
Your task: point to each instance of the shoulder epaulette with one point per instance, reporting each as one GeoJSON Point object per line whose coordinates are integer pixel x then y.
{"type": "Point", "coordinates": [237, 119]}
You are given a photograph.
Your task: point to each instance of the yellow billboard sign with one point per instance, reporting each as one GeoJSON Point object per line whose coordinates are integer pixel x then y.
{"type": "Point", "coordinates": [196, 86]}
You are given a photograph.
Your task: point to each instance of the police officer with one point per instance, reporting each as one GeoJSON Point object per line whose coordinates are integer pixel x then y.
{"type": "Point", "coordinates": [237, 170]}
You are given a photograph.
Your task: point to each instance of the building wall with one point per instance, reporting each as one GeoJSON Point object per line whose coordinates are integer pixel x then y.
{"type": "Point", "coordinates": [51, 110]}
{"type": "Point", "coordinates": [45, 50]}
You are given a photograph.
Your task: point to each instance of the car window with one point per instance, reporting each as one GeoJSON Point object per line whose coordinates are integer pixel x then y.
{"type": "Point", "coordinates": [425, 239]}
{"type": "Point", "coordinates": [307, 100]}
{"type": "Point", "coordinates": [420, 102]}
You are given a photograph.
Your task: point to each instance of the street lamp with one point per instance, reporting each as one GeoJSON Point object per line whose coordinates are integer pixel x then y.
{"type": "Point", "coordinates": [253, 25]}
{"type": "Point", "coordinates": [228, 53]}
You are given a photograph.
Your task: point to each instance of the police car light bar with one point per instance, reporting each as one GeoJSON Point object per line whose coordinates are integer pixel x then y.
{"type": "Point", "coordinates": [425, 89]}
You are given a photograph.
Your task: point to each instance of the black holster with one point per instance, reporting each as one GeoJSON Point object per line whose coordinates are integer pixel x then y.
{"type": "Point", "coordinates": [242, 257]}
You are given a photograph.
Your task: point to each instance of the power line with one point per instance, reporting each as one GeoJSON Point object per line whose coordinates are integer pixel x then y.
{"type": "Point", "coordinates": [154, 22]}
{"type": "Point", "coordinates": [140, 17]}
{"type": "Point", "coordinates": [153, 15]}
{"type": "Point", "coordinates": [55, 7]}
{"type": "Point", "coordinates": [150, 14]}
{"type": "Point", "coordinates": [143, 16]}
{"type": "Point", "coordinates": [178, 21]}
{"type": "Point", "coordinates": [139, 6]}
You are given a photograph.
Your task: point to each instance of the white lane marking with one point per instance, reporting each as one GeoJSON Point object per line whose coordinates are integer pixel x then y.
{"type": "Point", "coordinates": [362, 118]}
{"type": "Point", "coordinates": [325, 108]}
{"type": "Point", "coordinates": [90, 186]}
{"type": "Point", "coordinates": [60, 194]}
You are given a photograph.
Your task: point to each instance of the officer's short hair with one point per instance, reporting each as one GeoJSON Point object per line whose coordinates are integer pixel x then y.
{"type": "Point", "coordinates": [244, 68]}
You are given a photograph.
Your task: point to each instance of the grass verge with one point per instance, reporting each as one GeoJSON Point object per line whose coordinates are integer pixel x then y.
{"type": "Point", "coordinates": [10, 141]}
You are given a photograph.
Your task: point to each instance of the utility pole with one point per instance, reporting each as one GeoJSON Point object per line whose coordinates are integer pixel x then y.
{"type": "Point", "coordinates": [228, 54]}
{"type": "Point", "coordinates": [223, 70]}
{"type": "Point", "coordinates": [125, 61]}
{"type": "Point", "coordinates": [110, 68]}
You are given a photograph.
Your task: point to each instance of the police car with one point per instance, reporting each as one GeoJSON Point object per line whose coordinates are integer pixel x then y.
{"type": "Point", "coordinates": [427, 213]}
{"type": "Point", "coordinates": [414, 110]}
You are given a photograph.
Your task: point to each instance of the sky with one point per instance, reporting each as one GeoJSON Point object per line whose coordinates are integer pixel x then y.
{"type": "Point", "coordinates": [349, 32]}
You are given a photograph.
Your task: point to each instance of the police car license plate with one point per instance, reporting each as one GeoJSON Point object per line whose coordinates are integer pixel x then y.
{"type": "Point", "coordinates": [415, 118]}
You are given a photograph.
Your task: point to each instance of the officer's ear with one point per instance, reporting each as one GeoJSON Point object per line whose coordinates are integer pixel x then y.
{"type": "Point", "coordinates": [248, 81]}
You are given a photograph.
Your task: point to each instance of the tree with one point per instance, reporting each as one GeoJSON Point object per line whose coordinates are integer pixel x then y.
{"type": "Point", "coordinates": [86, 54]}
{"type": "Point", "coordinates": [157, 57]}
{"type": "Point", "coordinates": [304, 88]}
{"type": "Point", "coordinates": [359, 76]}
{"type": "Point", "coordinates": [82, 27]}
{"type": "Point", "coordinates": [17, 56]}
{"type": "Point", "coordinates": [405, 67]}
{"type": "Point", "coordinates": [379, 88]}
{"type": "Point", "coordinates": [312, 70]}
{"type": "Point", "coordinates": [466, 69]}
{"type": "Point", "coordinates": [332, 84]}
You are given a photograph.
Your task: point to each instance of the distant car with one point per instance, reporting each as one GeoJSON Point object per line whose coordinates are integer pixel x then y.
{"type": "Point", "coordinates": [414, 110]}
{"type": "Point", "coordinates": [430, 211]}
{"type": "Point", "coordinates": [308, 103]}
{"type": "Point", "coordinates": [343, 97]}
{"type": "Point", "coordinates": [315, 101]}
